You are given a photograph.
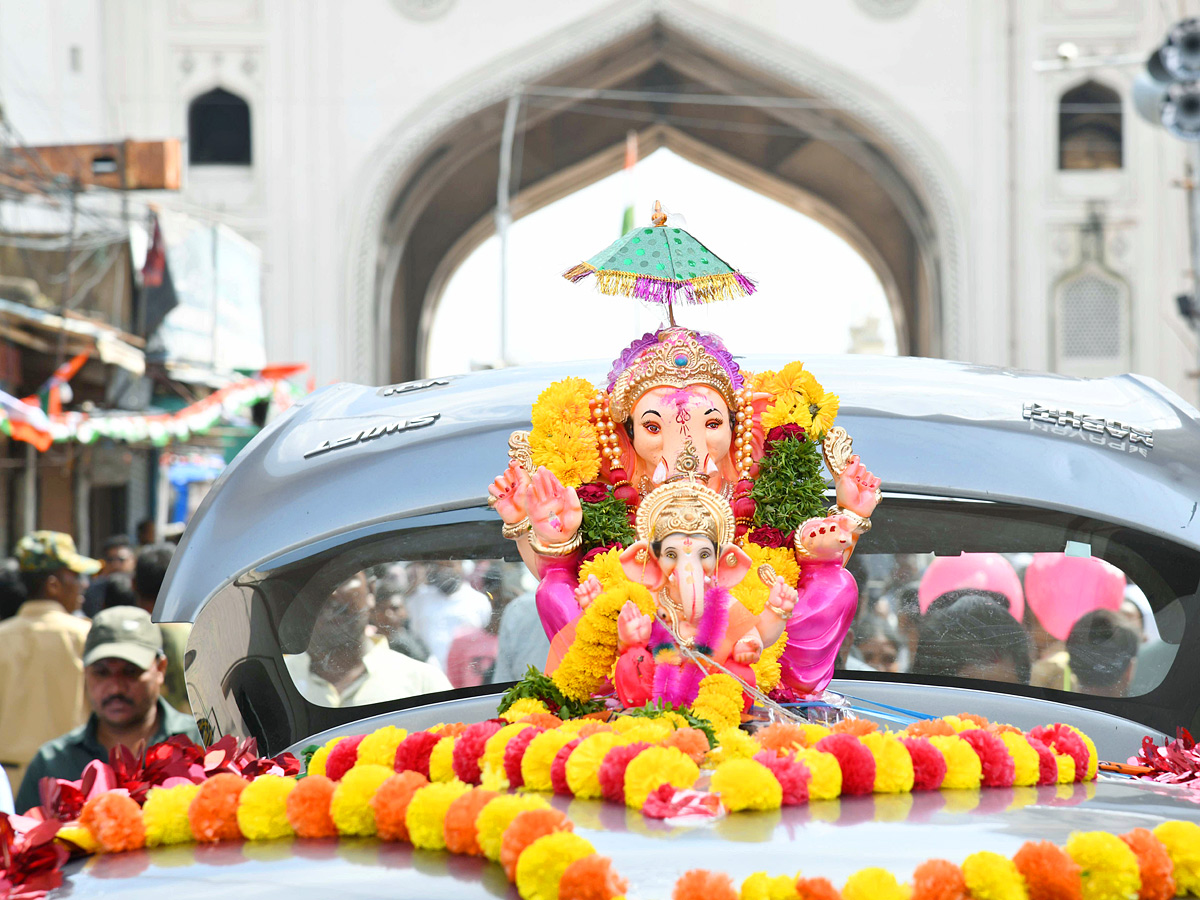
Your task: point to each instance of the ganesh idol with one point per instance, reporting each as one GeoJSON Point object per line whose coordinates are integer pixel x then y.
{"type": "Point", "coordinates": [679, 433]}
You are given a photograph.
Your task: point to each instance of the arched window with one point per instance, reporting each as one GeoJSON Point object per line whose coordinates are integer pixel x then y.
{"type": "Point", "coordinates": [219, 129]}
{"type": "Point", "coordinates": [1092, 323]}
{"type": "Point", "coordinates": [1089, 128]}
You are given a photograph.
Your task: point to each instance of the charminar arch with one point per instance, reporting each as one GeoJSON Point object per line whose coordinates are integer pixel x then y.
{"type": "Point", "coordinates": [838, 152]}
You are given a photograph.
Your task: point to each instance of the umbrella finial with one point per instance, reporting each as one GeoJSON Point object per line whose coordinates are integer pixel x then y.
{"type": "Point", "coordinates": [658, 218]}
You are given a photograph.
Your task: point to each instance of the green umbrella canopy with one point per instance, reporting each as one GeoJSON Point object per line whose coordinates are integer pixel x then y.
{"type": "Point", "coordinates": [662, 264]}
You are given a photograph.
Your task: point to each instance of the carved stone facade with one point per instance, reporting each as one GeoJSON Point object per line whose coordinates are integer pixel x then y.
{"type": "Point", "coordinates": [921, 132]}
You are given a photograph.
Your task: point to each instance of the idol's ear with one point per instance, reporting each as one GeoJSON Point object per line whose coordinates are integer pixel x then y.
{"type": "Point", "coordinates": [732, 565]}
{"type": "Point", "coordinates": [641, 566]}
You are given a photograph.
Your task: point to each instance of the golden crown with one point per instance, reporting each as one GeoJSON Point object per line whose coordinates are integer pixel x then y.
{"type": "Point", "coordinates": [685, 507]}
{"type": "Point", "coordinates": [678, 360]}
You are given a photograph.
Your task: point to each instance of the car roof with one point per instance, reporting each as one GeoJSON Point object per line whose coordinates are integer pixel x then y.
{"type": "Point", "coordinates": [1120, 449]}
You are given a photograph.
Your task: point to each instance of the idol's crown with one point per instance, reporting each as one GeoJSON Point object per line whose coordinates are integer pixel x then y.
{"type": "Point", "coordinates": [678, 360]}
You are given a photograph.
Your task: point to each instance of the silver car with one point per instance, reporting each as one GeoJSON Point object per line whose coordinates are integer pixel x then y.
{"type": "Point", "coordinates": [366, 506]}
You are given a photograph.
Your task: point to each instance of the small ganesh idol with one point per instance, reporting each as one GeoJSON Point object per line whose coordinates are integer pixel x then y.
{"type": "Point", "coordinates": [677, 425]}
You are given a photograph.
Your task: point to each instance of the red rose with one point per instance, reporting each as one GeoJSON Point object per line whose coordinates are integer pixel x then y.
{"type": "Point", "coordinates": [766, 536]}
{"type": "Point", "coordinates": [783, 433]}
{"type": "Point", "coordinates": [593, 492]}
{"type": "Point", "coordinates": [596, 551]}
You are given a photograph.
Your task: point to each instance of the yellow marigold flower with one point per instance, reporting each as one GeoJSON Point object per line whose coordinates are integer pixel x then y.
{"type": "Point", "coordinates": [494, 818]}
{"type": "Point", "coordinates": [565, 400]}
{"type": "Point", "coordinates": [963, 769]}
{"type": "Point", "coordinates": [1182, 840]}
{"type": "Point", "coordinates": [1066, 768]}
{"type": "Point", "coordinates": [262, 808]}
{"type": "Point", "coordinates": [1093, 757]}
{"type": "Point", "coordinates": [425, 817]}
{"type": "Point", "coordinates": [526, 706]}
{"type": "Point", "coordinates": [746, 784]}
{"type": "Point", "coordinates": [1110, 867]}
{"type": "Point", "coordinates": [826, 772]}
{"type": "Point", "coordinates": [82, 838]}
{"type": "Point", "coordinates": [827, 410]}
{"type": "Point", "coordinates": [316, 765]}
{"type": "Point", "coordinates": [441, 760]}
{"type": "Point", "coordinates": [493, 749]}
{"type": "Point", "coordinates": [492, 778]}
{"type": "Point", "coordinates": [570, 452]}
{"type": "Point", "coordinates": [959, 724]}
{"type": "Point", "coordinates": [750, 591]}
{"type": "Point", "coordinates": [165, 814]}
{"type": "Point", "coordinates": [761, 886]}
{"type": "Point", "coordinates": [875, 884]}
{"type": "Point", "coordinates": [768, 671]}
{"type": "Point", "coordinates": [606, 567]}
{"type": "Point", "coordinates": [719, 700]}
{"type": "Point", "coordinates": [652, 731]}
{"type": "Point", "coordinates": [788, 383]}
{"type": "Point", "coordinates": [990, 876]}
{"type": "Point", "coordinates": [732, 743]}
{"type": "Point", "coordinates": [583, 767]}
{"type": "Point", "coordinates": [350, 807]}
{"type": "Point", "coordinates": [379, 747]}
{"type": "Point", "coordinates": [574, 726]}
{"type": "Point", "coordinates": [814, 732]}
{"type": "Point", "coordinates": [541, 865]}
{"type": "Point", "coordinates": [787, 412]}
{"type": "Point", "coordinates": [539, 757]}
{"type": "Point", "coordinates": [893, 764]}
{"type": "Point", "coordinates": [1025, 759]}
{"type": "Point", "coordinates": [655, 767]}
{"type": "Point", "coordinates": [592, 653]}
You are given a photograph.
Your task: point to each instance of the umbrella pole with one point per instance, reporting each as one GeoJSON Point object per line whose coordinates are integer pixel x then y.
{"type": "Point", "coordinates": [670, 313]}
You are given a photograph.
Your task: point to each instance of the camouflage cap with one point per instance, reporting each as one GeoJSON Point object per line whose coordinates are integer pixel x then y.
{"type": "Point", "coordinates": [123, 632]}
{"type": "Point", "coordinates": [49, 551]}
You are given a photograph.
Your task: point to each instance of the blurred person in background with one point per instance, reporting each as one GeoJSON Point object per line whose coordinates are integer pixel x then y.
{"type": "Point", "coordinates": [118, 591]}
{"type": "Point", "coordinates": [147, 533]}
{"type": "Point", "coordinates": [345, 666]}
{"type": "Point", "coordinates": [877, 643]}
{"type": "Point", "coordinates": [117, 556]}
{"type": "Point", "coordinates": [908, 623]}
{"type": "Point", "coordinates": [390, 614]}
{"type": "Point", "coordinates": [124, 666]}
{"type": "Point", "coordinates": [521, 638]}
{"type": "Point", "coordinates": [41, 650]}
{"type": "Point", "coordinates": [471, 659]}
{"type": "Point", "coordinates": [971, 634]}
{"type": "Point", "coordinates": [149, 572]}
{"type": "Point", "coordinates": [1103, 650]}
{"type": "Point", "coordinates": [442, 604]}
{"type": "Point", "coordinates": [12, 588]}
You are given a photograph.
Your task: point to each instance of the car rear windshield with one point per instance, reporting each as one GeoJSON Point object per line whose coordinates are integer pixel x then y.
{"type": "Point", "coordinates": [980, 594]}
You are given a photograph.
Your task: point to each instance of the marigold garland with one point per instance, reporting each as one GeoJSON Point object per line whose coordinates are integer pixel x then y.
{"type": "Point", "coordinates": [963, 769]}
{"type": "Point", "coordinates": [750, 591]}
{"type": "Point", "coordinates": [262, 808]}
{"type": "Point", "coordinates": [939, 879]}
{"type": "Point", "coordinates": [343, 756]}
{"type": "Point", "coordinates": [539, 758]}
{"type": "Point", "coordinates": [1109, 867]}
{"type": "Point", "coordinates": [213, 812]}
{"type": "Point", "coordinates": [165, 814]}
{"type": "Point", "coordinates": [583, 766]}
{"type": "Point", "coordinates": [390, 804]}
{"type": "Point", "coordinates": [115, 821]}
{"type": "Point", "coordinates": [894, 772]}
{"type": "Point", "coordinates": [379, 747]}
{"type": "Point", "coordinates": [1182, 840]}
{"type": "Point", "coordinates": [591, 878]}
{"type": "Point", "coordinates": [654, 767]}
{"type": "Point", "coordinates": [825, 782]}
{"type": "Point", "coordinates": [426, 814]}
{"type": "Point", "coordinates": [543, 863]}
{"type": "Point", "coordinates": [606, 567]}
{"type": "Point", "coordinates": [308, 808]}
{"type": "Point", "coordinates": [526, 827]}
{"type": "Point", "coordinates": [590, 658]}
{"type": "Point", "coordinates": [761, 886]}
{"type": "Point", "coordinates": [746, 784]}
{"type": "Point", "coordinates": [563, 438]}
{"type": "Point", "coordinates": [874, 884]}
{"type": "Point", "coordinates": [1049, 872]}
{"type": "Point", "coordinates": [701, 884]}
{"type": "Point", "coordinates": [719, 701]}
{"type": "Point", "coordinates": [441, 760]}
{"type": "Point", "coordinates": [494, 819]}
{"type": "Point", "coordinates": [1154, 865]}
{"type": "Point", "coordinates": [990, 876]}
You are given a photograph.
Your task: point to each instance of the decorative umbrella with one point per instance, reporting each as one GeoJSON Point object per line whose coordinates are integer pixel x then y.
{"type": "Point", "coordinates": [662, 264]}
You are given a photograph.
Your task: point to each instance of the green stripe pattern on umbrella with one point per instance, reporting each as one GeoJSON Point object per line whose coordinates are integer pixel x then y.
{"type": "Point", "coordinates": [661, 264]}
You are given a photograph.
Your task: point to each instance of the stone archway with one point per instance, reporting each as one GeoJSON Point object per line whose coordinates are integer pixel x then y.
{"type": "Point", "coordinates": [837, 152]}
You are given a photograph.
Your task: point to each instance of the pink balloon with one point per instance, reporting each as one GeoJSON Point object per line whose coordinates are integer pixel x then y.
{"type": "Point", "coordinates": [1062, 589]}
{"type": "Point", "coordinates": [981, 571]}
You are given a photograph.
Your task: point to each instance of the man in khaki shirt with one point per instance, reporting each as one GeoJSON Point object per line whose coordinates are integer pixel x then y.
{"type": "Point", "coordinates": [41, 650]}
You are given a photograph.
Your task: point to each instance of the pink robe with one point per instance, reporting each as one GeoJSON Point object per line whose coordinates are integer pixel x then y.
{"type": "Point", "coordinates": [824, 610]}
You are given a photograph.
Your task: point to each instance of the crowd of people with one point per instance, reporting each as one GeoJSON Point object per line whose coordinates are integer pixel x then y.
{"type": "Point", "coordinates": [82, 666]}
{"type": "Point", "coordinates": [1051, 620]}
{"type": "Point", "coordinates": [408, 628]}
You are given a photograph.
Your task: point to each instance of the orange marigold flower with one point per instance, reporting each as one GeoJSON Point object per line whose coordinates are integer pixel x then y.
{"type": "Point", "coordinates": [115, 821]}
{"type": "Point", "coordinates": [782, 737]}
{"type": "Point", "coordinates": [980, 721]}
{"type": "Point", "coordinates": [1049, 872]}
{"type": "Point", "coordinates": [526, 828]}
{"type": "Point", "coordinates": [453, 729]}
{"type": "Point", "coordinates": [592, 728]}
{"type": "Point", "coordinates": [308, 808]}
{"type": "Point", "coordinates": [855, 726]}
{"type": "Point", "coordinates": [390, 804]}
{"type": "Point", "coordinates": [937, 879]}
{"type": "Point", "coordinates": [691, 741]}
{"type": "Point", "coordinates": [213, 813]}
{"type": "Point", "coordinates": [701, 884]}
{"type": "Point", "coordinates": [1154, 863]}
{"type": "Point", "coordinates": [543, 720]}
{"type": "Point", "coordinates": [591, 878]}
{"type": "Point", "coordinates": [459, 827]}
{"type": "Point", "coordinates": [930, 728]}
{"type": "Point", "coordinates": [817, 889]}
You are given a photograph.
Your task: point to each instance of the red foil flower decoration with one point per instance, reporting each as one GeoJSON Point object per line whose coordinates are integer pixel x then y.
{"type": "Point", "coordinates": [30, 863]}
